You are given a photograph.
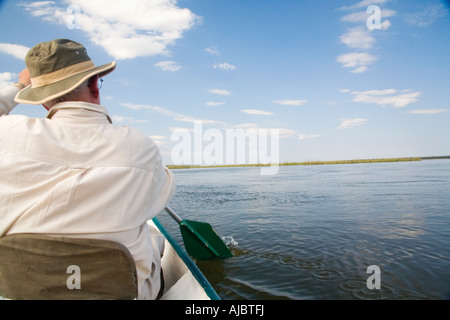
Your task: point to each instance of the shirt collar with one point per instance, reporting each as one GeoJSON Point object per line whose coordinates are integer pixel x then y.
{"type": "Point", "coordinates": [78, 105]}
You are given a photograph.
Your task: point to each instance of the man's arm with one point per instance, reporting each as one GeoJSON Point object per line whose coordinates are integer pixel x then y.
{"type": "Point", "coordinates": [8, 93]}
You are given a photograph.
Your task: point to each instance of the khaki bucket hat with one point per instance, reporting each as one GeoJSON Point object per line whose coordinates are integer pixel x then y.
{"type": "Point", "coordinates": [57, 67]}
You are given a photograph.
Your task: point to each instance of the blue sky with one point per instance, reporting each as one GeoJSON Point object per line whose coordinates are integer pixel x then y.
{"type": "Point", "coordinates": [313, 70]}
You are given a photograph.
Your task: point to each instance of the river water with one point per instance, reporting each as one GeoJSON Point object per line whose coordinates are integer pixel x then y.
{"type": "Point", "coordinates": [312, 232]}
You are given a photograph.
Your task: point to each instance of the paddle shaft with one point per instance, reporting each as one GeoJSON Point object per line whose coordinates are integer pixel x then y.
{"type": "Point", "coordinates": [174, 215]}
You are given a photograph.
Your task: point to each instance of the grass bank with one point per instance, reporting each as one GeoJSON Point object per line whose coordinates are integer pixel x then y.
{"type": "Point", "coordinates": [308, 163]}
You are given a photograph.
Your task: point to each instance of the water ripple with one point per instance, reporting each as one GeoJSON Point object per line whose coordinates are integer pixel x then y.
{"type": "Point", "coordinates": [328, 275]}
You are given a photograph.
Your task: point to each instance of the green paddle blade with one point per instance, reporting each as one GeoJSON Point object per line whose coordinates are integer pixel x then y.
{"type": "Point", "coordinates": [202, 242]}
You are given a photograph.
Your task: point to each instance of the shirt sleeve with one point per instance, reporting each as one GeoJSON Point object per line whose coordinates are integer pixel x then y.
{"type": "Point", "coordinates": [7, 102]}
{"type": "Point", "coordinates": [164, 190]}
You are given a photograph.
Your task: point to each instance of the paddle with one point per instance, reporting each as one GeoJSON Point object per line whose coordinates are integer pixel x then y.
{"type": "Point", "coordinates": [200, 239]}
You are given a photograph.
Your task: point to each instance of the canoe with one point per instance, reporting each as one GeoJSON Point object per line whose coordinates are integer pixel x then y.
{"type": "Point", "coordinates": [183, 280]}
{"type": "Point", "coordinates": [41, 257]}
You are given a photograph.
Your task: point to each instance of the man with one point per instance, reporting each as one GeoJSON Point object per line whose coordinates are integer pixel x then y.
{"type": "Point", "coordinates": [74, 173]}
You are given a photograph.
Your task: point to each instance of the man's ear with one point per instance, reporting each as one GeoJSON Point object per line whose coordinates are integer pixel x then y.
{"type": "Point", "coordinates": [93, 86]}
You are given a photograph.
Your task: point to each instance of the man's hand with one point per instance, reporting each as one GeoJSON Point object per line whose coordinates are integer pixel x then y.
{"type": "Point", "coordinates": [24, 77]}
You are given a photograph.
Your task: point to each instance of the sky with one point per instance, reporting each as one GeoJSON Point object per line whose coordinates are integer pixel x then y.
{"type": "Point", "coordinates": [315, 80]}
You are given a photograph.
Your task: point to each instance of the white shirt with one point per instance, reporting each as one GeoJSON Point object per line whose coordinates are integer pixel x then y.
{"type": "Point", "coordinates": [76, 174]}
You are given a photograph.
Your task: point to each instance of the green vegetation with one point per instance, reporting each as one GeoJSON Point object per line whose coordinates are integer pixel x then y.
{"type": "Point", "coordinates": [435, 157]}
{"type": "Point", "coordinates": [352, 161]}
{"type": "Point", "coordinates": [308, 163]}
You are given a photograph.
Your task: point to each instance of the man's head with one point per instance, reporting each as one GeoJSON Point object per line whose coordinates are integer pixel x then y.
{"type": "Point", "coordinates": [57, 68]}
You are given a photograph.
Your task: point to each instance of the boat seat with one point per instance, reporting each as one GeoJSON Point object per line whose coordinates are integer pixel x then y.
{"type": "Point", "coordinates": [43, 267]}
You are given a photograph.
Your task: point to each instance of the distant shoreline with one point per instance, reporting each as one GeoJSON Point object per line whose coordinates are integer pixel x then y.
{"type": "Point", "coordinates": [310, 163]}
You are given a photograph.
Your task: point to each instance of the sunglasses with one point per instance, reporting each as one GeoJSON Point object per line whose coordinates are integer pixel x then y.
{"type": "Point", "coordinates": [99, 83]}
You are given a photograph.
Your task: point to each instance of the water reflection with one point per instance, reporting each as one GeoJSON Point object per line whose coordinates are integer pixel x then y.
{"type": "Point", "coordinates": [311, 232]}
{"type": "Point", "coordinates": [405, 227]}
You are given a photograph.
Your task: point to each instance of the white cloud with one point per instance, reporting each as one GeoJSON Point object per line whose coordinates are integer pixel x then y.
{"type": "Point", "coordinates": [224, 66]}
{"type": "Point", "coordinates": [213, 104]}
{"type": "Point", "coordinates": [257, 112]}
{"type": "Point", "coordinates": [220, 92]}
{"type": "Point", "coordinates": [172, 129]}
{"type": "Point", "coordinates": [362, 16]}
{"type": "Point", "coordinates": [125, 29]}
{"type": "Point", "coordinates": [6, 78]}
{"type": "Point", "coordinates": [123, 119]}
{"type": "Point", "coordinates": [428, 111]}
{"type": "Point", "coordinates": [385, 25]}
{"type": "Point", "coordinates": [162, 140]}
{"type": "Point", "coordinates": [158, 137]}
{"type": "Point", "coordinates": [358, 38]}
{"type": "Point", "coordinates": [363, 4]}
{"type": "Point", "coordinates": [176, 116]}
{"type": "Point", "coordinates": [168, 66]}
{"type": "Point", "coordinates": [386, 97]}
{"type": "Point", "coordinates": [245, 125]}
{"type": "Point", "coordinates": [348, 123]}
{"type": "Point", "coordinates": [285, 133]}
{"type": "Point", "coordinates": [362, 37]}
{"type": "Point", "coordinates": [40, 8]}
{"type": "Point", "coordinates": [213, 51]}
{"type": "Point", "coordinates": [282, 132]}
{"type": "Point", "coordinates": [307, 136]}
{"type": "Point", "coordinates": [426, 15]}
{"type": "Point", "coordinates": [289, 102]}
{"type": "Point", "coordinates": [360, 69]}
{"type": "Point", "coordinates": [357, 60]}
{"type": "Point", "coordinates": [143, 106]}
{"type": "Point", "coordinates": [16, 50]}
